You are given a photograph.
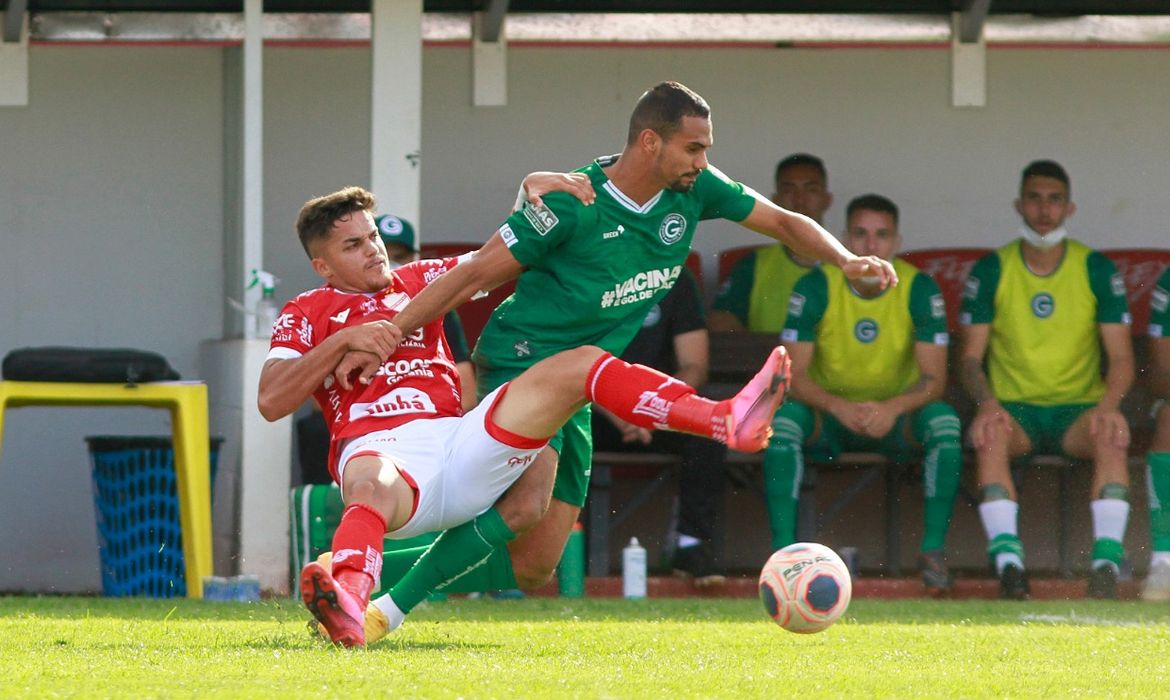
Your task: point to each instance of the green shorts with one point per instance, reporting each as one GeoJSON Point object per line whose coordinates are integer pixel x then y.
{"type": "Point", "coordinates": [573, 442]}
{"type": "Point", "coordinates": [1045, 426]}
{"type": "Point", "coordinates": [835, 438]}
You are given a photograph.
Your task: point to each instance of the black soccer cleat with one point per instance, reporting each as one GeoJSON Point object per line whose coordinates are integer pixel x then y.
{"type": "Point", "coordinates": [1013, 583]}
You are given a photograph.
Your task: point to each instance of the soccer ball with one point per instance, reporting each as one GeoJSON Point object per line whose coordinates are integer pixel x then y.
{"type": "Point", "coordinates": [805, 587]}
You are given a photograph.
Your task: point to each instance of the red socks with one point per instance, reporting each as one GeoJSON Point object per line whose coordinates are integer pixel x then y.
{"type": "Point", "coordinates": [653, 400]}
{"type": "Point", "coordinates": [357, 549]}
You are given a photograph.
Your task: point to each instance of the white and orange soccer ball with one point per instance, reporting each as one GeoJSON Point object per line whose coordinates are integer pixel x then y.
{"type": "Point", "coordinates": [805, 587]}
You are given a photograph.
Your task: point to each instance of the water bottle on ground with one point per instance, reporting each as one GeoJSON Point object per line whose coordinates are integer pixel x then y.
{"type": "Point", "coordinates": [634, 570]}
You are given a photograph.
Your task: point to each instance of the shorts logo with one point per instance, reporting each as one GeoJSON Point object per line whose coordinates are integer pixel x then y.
{"type": "Point", "coordinates": [522, 349]}
{"type": "Point", "coordinates": [866, 330]}
{"type": "Point", "coordinates": [672, 229]}
{"type": "Point", "coordinates": [1043, 305]}
{"type": "Point", "coordinates": [541, 218]}
{"type": "Point", "coordinates": [971, 288]}
{"type": "Point", "coordinates": [653, 317]}
{"type": "Point", "coordinates": [521, 460]}
{"type": "Point", "coordinates": [507, 235]}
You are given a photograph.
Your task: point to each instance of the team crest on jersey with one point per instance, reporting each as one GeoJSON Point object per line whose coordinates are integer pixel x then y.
{"type": "Point", "coordinates": [507, 235]}
{"type": "Point", "coordinates": [1160, 299]}
{"type": "Point", "coordinates": [541, 217]}
{"type": "Point", "coordinates": [1043, 305]}
{"type": "Point", "coordinates": [672, 229]}
{"type": "Point", "coordinates": [866, 330]}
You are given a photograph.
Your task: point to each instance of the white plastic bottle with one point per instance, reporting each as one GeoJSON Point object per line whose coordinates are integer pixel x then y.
{"type": "Point", "coordinates": [634, 570]}
{"type": "Point", "coordinates": [266, 307]}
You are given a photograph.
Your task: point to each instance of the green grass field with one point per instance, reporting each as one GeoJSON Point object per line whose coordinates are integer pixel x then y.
{"type": "Point", "coordinates": [95, 647]}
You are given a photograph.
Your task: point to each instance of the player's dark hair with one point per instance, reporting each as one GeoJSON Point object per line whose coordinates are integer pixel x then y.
{"type": "Point", "coordinates": [872, 202]}
{"type": "Point", "coordinates": [662, 109]}
{"type": "Point", "coordinates": [318, 215]}
{"type": "Point", "coordinates": [801, 159]}
{"type": "Point", "coordinates": [1045, 168]}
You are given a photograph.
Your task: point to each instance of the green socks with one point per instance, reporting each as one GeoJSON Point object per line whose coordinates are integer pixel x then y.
{"type": "Point", "coordinates": [1158, 473]}
{"type": "Point", "coordinates": [783, 470]}
{"type": "Point", "coordinates": [458, 554]}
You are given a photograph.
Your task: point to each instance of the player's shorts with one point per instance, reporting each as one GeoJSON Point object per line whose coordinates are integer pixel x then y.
{"type": "Point", "coordinates": [1045, 426]}
{"type": "Point", "coordinates": [573, 442]}
{"type": "Point", "coordinates": [459, 466]}
{"type": "Point", "coordinates": [903, 442]}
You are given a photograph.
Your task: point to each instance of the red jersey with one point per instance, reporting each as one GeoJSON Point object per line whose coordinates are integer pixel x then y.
{"type": "Point", "coordinates": [418, 381]}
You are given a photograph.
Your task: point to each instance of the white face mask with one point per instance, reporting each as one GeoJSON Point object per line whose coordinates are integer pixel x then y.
{"type": "Point", "coordinates": [1048, 240]}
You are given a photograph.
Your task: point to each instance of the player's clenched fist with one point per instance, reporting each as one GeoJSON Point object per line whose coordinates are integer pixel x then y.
{"type": "Point", "coordinates": [380, 338]}
{"type": "Point", "coordinates": [871, 267]}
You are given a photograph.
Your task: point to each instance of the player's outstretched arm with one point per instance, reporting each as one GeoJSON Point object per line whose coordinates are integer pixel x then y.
{"type": "Point", "coordinates": [808, 238]}
{"type": "Point", "coordinates": [488, 268]}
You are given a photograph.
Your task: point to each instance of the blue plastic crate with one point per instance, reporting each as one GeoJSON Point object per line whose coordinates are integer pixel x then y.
{"type": "Point", "coordinates": [140, 539]}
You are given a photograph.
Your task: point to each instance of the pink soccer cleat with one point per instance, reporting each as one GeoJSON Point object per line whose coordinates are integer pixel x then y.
{"type": "Point", "coordinates": [338, 611]}
{"type": "Point", "coordinates": [749, 413]}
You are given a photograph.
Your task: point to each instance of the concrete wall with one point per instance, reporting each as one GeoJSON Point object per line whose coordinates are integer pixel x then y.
{"type": "Point", "coordinates": [112, 189]}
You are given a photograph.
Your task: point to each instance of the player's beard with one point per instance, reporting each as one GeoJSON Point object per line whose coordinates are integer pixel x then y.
{"type": "Point", "coordinates": [683, 186]}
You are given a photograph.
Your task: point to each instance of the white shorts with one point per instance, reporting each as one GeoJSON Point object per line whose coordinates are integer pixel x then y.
{"type": "Point", "coordinates": [459, 466]}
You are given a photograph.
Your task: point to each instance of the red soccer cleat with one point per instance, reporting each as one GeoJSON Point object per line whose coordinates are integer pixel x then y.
{"type": "Point", "coordinates": [338, 611]}
{"type": "Point", "coordinates": [749, 413]}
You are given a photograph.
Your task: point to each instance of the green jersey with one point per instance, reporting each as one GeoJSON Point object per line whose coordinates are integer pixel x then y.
{"type": "Point", "coordinates": [865, 346]}
{"type": "Point", "coordinates": [593, 272]}
{"type": "Point", "coordinates": [758, 288]}
{"type": "Point", "coordinates": [1160, 308]}
{"type": "Point", "coordinates": [1044, 347]}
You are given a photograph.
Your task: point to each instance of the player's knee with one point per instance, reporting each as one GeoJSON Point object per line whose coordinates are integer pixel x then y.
{"type": "Point", "coordinates": [532, 572]}
{"type": "Point", "coordinates": [522, 509]}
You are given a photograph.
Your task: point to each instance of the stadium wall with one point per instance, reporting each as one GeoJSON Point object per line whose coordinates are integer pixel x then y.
{"type": "Point", "coordinates": [112, 196]}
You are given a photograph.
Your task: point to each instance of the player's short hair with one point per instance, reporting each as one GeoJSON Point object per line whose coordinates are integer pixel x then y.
{"type": "Point", "coordinates": [1045, 168]}
{"type": "Point", "coordinates": [663, 107]}
{"type": "Point", "coordinates": [801, 159]}
{"type": "Point", "coordinates": [318, 215]}
{"type": "Point", "coordinates": [872, 202]}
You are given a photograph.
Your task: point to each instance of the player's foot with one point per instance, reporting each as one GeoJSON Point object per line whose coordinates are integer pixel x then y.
{"type": "Point", "coordinates": [338, 611]}
{"type": "Point", "coordinates": [1103, 583]}
{"type": "Point", "coordinates": [696, 563]}
{"type": "Point", "coordinates": [1156, 588]}
{"type": "Point", "coordinates": [935, 575]}
{"type": "Point", "coordinates": [749, 414]}
{"type": "Point", "coordinates": [1013, 583]}
{"type": "Point", "coordinates": [376, 625]}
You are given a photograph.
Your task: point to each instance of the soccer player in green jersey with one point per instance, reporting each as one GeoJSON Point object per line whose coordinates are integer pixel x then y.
{"type": "Point", "coordinates": [755, 296]}
{"type": "Point", "coordinates": [1042, 312]}
{"type": "Point", "coordinates": [587, 275]}
{"type": "Point", "coordinates": [1157, 585]}
{"type": "Point", "coordinates": [869, 368]}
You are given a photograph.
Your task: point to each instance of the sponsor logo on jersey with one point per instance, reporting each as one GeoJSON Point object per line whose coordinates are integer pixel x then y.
{"type": "Point", "coordinates": [796, 305]}
{"type": "Point", "coordinates": [395, 370]}
{"type": "Point", "coordinates": [1117, 284]}
{"type": "Point", "coordinates": [341, 316]}
{"type": "Point", "coordinates": [396, 402]}
{"type": "Point", "coordinates": [652, 405]}
{"type": "Point", "coordinates": [414, 340]}
{"type": "Point", "coordinates": [434, 273]}
{"type": "Point", "coordinates": [866, 330]}
{"type": "Point", "coordinates": [640, 287]}
{"type": "Point", "coordinates": [613, 234]}
{"type": "Point", "coordinates": [938, 307]}
{"type": "Point", "coordinates": [541, 217]}
{"type": "Point", "coordinates": [1160, 299]}
{"type": "Point", "coordinates": [672, 229]}
{"type": "Point", "coordinates": [507, 235]}
{"type": "Point", "coordinates": [1043, 305]}
{"type": "Point", "coordinates": [971, 288]}
{"type": "Point", "coordinates": [283, 330]}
